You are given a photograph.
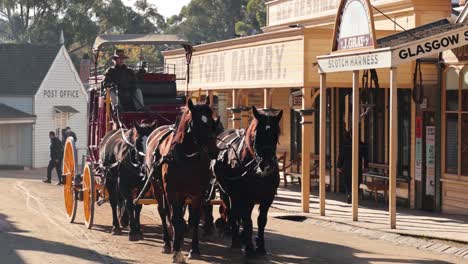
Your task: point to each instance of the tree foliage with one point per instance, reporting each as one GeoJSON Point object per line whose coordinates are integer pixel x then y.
{"type": "Point", "coordinates": [41, 21]}
{"type": "Point", "coordinates": [213, 20]}
{"type": "Point", "coordinates": [201, 21]}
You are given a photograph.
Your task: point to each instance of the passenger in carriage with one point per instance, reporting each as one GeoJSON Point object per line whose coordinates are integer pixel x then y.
{"type": "Point", "coordinates": [130, 97]}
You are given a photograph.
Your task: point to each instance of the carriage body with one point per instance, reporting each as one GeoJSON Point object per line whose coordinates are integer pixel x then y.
{"type": "Point", "coordinates": [161, 104]}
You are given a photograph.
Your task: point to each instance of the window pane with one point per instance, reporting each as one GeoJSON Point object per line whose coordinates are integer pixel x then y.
{"type": "Point", "coordinates": [452, 144]}
{"type": "Point", "coordinates": [464, 145]}
{"type": "Point", "coordinates": [451, 83]}
{"type": "Point", "coordinates": [464, 77]}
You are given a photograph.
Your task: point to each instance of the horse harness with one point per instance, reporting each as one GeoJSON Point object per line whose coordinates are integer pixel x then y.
{"type": "Point", "coordinates": [232, 153]}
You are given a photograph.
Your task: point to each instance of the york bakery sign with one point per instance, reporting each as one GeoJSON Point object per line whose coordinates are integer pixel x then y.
{"type": "Point", "coordinates": [431, 46]}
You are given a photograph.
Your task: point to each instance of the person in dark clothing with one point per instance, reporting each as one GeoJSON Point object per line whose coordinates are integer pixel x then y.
{"type": "Point", "coordinates": [122, 78]}
{"type": "Point", "coordinates": [56, 154]}
{"type": "Point", "coordinates": [345, 165]}
{"type": "Point", "coordinates": [69, 133]}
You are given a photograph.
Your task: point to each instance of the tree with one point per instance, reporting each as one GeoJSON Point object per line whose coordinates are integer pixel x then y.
{"type": "Point", "coordinates": [22, 17]}
{"type": "Point", "coordinates": [207, 20]}
{"type": "Point", "coordinates": [213, 20]}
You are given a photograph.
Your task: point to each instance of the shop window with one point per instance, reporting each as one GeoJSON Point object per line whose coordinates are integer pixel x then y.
{"type": "Point", "coordinates": [464, 145]}
{"type": "Point", "coordinates": [464, 89]}
{"type": "Point", "coordinates": [456, 123]}
{"type": "Point", "coordinates": [451, 136]}
{"type": "Point", "coordinates": [404, 132]}
{"type": "Point", "coordinates": [451, 84]}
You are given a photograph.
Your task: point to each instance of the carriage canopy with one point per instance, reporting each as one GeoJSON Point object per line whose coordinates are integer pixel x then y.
{"type": "Point", "coordinates": [139, 39]}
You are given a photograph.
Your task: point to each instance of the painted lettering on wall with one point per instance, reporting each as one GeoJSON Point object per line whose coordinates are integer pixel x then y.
{"type": "Point", "coordinates": [283, 11]}
{"type": "Point", "coordinates": [261, 63]}
{"type": "Point", "coordinates": [61, 94]}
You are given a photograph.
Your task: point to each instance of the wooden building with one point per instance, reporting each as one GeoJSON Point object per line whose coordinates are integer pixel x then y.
{"type": "Point", "coordinates": [279, 69]}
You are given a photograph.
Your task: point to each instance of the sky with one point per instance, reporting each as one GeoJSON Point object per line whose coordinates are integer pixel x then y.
{"type": "Point", "coordinates": [166, 8]}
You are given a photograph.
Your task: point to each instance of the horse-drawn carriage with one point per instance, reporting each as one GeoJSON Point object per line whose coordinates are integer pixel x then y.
{"type": "Point", "coordinates": [161, 104]}
{"type": "Point", "coordinates": [170, 163]}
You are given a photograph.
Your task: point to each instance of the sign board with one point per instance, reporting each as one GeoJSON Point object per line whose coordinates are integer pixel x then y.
{"type": "Point", "coordinates": [271, 65]}
{"type": "Point", "coordinates": [350, 62]}
{"type": "Point", "coordinates": [354, 26]}
{"type": "Point", "coordinates": [418, 158]}
{"type": "Point", "coordinates": [430, 160]}
{"type": "Point", "coordinates": [61, 94]}
{"type": "Point", "coordinates": [289, 11]}
{"type": "Point", "coordinates": [429, 46]}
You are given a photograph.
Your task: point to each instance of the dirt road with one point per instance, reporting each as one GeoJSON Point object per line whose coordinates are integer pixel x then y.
{"type": "Point", "coordinates": [34, 229]}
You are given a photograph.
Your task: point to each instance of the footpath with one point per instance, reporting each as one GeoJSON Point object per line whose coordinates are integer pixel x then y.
{"type": "Point", "coordinates": [423, 230]}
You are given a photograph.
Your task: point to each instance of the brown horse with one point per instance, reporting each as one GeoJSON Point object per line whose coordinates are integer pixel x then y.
{"type": "Point", "coordinates": [247, 170]}
{"type": "Point", "coordinates": [178, 158]}
{"type": "Point", "coordinates": [121, 153]}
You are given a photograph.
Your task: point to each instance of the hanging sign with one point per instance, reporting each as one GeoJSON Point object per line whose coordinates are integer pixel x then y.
{"type": "Point", "coordinates": [354, 26]}
{"type": "Point", "coordinates": [430, 160]}
{"type": "Point", "coordinates": [429, 46]}
{"type": "Point", "coordinates": [418, 158]}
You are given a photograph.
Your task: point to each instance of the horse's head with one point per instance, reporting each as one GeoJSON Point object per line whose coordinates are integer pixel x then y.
{"type": "Point", "coordinates": [265, 140]}
{"type": "Point", "coordinates": [143, 131]}
{"type": "Point", "coordinates": [204, 127]}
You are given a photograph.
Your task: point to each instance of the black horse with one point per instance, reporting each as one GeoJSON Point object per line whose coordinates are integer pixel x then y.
{"type": "Point", "coordinates": [247, 170]}
{"type": "Point", "coordinates": [179, 160]}
{"type": "Point", "coordinates": [122, 156]}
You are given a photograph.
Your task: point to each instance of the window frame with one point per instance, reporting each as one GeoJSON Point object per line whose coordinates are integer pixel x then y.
{"type": "Point", "coordinates": [461, 70]}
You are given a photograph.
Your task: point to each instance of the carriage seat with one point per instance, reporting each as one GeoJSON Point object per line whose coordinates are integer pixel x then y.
{"type": "Point", "coordinates": [158, 91]}
{"type": "Point", "coordinates": [157, 77]}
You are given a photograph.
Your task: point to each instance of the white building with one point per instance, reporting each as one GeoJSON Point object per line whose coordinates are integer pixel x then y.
{"type": "Point", "coordinates": [40, 91]}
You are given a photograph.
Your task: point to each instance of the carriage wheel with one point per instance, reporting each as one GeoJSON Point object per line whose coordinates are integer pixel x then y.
{"type": "Point", "coordinates": [89, 194]}
{"type": "Point", "coordinates": [68, 171]}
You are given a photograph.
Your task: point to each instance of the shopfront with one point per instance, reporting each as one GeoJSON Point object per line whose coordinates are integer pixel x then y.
{"type": "Point", "coordinates": [278, 70]}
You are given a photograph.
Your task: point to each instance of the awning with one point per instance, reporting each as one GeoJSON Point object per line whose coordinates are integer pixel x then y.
{"type": "Point", "coordinates": [65, 109]}
{"type": "Point", "coordinates": [138, 39]}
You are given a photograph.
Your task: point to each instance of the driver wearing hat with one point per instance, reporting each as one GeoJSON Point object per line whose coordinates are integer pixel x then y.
{"type": "Point", "coordinates": [130, 97]}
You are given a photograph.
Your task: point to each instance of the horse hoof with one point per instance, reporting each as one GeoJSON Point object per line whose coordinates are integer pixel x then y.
{"type": "Point", "coordinates": [134, 237]}
{"type": "Point", "coordinates": [178, 257]}
{"type": "Point", "coordinates": [116, 231]}
{"type": "Point", "coordinates": [194, 254]}
{"type": "Point", "coordinates": [140, 236]}
{"type": "Point", "coordinates": [167, 249]}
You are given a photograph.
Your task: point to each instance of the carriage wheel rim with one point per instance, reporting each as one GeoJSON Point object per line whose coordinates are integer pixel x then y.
{"type": "Point", "coordinates": [68, 170]}
{"type": "Point", "coordinates": [88, 195]}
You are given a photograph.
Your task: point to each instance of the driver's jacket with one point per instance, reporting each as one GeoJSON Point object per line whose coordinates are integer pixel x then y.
{"type": "Point", "coordinates": [124, 79]}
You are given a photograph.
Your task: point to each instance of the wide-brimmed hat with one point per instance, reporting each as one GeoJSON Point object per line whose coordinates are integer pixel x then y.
{"type": "Point", "coordinates": [120, 53]}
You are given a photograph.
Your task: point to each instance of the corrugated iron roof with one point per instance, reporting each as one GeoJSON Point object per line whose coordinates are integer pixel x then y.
{"type": "Point", "coordinates": [420, 32]}
{"type": "Point", "coordinates": [10, 112]}
{"type": "Point", "coordinates": [23, 67]}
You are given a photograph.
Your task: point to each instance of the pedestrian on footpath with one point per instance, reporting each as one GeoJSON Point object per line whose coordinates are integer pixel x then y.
{"type": "Point", "coordinates": [56, 154]}
{"type": "Point", "coordinates": [69, 133]}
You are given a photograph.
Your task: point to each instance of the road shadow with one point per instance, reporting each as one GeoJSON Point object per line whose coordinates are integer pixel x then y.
{"type": "Point", "coordinates": [282, 249]}
{"type": "Point", "coordinates": [13, 240]}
